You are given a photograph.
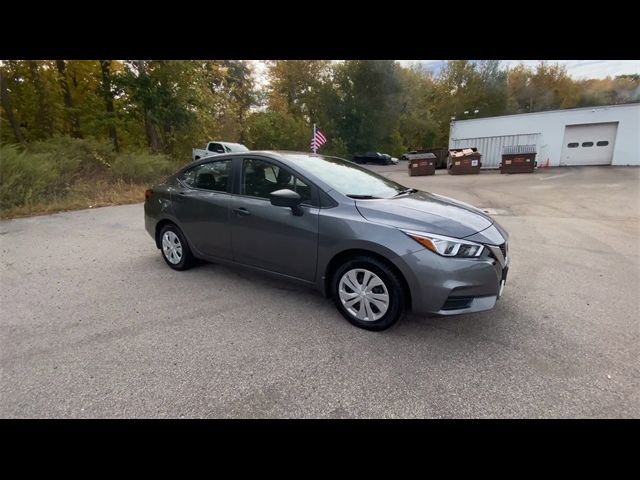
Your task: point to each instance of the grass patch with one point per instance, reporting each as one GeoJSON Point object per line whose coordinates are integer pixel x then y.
{"type": "Point", "coordinates": [81, 196]}
{"type": "Point", "coordinates": [65, 173]}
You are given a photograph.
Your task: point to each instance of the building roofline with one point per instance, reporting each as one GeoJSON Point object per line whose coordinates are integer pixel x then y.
{"type": "Point", "coordinates": [563, 110]}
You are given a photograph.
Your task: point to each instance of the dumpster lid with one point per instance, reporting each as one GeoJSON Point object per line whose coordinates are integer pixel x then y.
{"type": "Point", "coordinates": [421, 156]}
{"type": "Point", "coordinates": [518, 149]}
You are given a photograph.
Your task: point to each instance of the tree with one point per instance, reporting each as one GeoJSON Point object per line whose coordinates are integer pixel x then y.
{"type": "Point", "coordinates": [277, 130]}
{"type": "Point", "coordinates": [609, 91]}
{"type": "Point", "coordinates": [8, 107]}
{"type": "Point", "coordinates": [491, 95]}
{"type": "Point", "coordinates": [417, 125]}
{"type": "Point", "coordinates": [238, 86]}
{"type": "Point", "coordinates": [295, 85]}
{"type": "Point", "coordinates": [369, 107]}
{"type": "Point", "coordinates": [547, 87]}
{"type": "Point", "coordinates": [107, 93]}
{"type": "Point", "coordinates": [72, 115]}
{"type": "Point", "coordinates": [43, 117]}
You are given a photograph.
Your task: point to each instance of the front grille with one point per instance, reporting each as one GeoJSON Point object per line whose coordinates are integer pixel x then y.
{"type": "Point", "coordinates": [456, 303]}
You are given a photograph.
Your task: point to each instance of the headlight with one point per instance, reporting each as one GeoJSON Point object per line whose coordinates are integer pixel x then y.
{"type": "Point", "coordinates": [447, 246]}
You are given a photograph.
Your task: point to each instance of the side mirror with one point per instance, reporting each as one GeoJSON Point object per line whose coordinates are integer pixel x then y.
{"type": "Point", "coordinates": [286, 198]}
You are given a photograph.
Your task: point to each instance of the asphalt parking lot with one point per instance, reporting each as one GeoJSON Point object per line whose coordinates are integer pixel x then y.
{"type": "Point", "coordinates": [94, 324]}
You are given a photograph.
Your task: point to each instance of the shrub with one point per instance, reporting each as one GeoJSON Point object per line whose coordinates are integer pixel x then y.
{"type": "Point", "coordinates": [62, 167]}
{"type": "Point", "coordinates": [76, 156]}
{"type": "Point", "coordinates": [26, 177]}
{"type": "Point", "coordinates": [141, 167]}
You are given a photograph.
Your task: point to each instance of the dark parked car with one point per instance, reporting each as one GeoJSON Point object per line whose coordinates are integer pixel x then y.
{"type": "Point", "coordinates": [376, 247]}
{"type": "Point", "coordinates": [375, 157]}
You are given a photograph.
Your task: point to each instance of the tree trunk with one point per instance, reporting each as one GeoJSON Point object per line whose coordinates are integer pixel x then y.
{"type": "Point", "coordinates": [168, 140]}
{"type": "Point", "coordinates": [149, 127]}
{"type": "Point", "coordinates": [152, 134]}
{"type": "Point", "coordinates": [43, 119]}
{"type": "Point", "coordinates": [242, 129]}
{"type": "Point", "coordinates": [105, 66]}
{"type": "Point", "coordinates": [8, 108]}
{"type": "Point", "coordinates": [72, 116]}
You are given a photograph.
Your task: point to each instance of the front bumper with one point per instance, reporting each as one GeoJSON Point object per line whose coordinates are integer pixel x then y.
{"type": "Point", "coordinates": [452, 286]}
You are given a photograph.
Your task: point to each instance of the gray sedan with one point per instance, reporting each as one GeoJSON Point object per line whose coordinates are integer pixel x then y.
{"type": "Point", "coordinates": [379, 249]}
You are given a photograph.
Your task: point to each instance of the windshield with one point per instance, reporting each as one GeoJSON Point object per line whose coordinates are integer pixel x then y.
{"type": "Point", "coordinates": [348, 178]}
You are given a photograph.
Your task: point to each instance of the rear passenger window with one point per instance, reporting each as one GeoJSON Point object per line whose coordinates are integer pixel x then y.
{"type": "Point", "coordinates": [209, 176]}
{"type": "Point", "coordinates": [587, 144]}
{"type": "Point", "coordinates": [573, 145]}
{"type": "Point", "coordinates": [602, 143]}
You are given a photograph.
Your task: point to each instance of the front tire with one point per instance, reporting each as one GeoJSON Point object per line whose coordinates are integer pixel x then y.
{"type": "Point", "coordinates": [175, 249]}
{"type": "Point", "coordinates": [368, 293]}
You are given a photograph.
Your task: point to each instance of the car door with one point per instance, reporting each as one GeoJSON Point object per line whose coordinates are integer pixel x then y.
{"type": "Point", "coordinates": [271, 237]}
{"type": "Point", "coordinates": [201, 205]}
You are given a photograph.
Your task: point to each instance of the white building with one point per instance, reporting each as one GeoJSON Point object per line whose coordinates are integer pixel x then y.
{"type": "Point", "coordinates": [607, 135]}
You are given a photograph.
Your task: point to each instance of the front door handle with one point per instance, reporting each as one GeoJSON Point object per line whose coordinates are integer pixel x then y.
{"type": "Point", "coordinates": [241, 211]}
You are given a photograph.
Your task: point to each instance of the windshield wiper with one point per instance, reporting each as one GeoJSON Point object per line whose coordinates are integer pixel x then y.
{"type": "Point", "coordinates": [362, 197]}
{"type": "Point", "coordinates": [408, 190]}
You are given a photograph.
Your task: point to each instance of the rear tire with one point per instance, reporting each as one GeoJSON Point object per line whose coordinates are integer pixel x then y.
{"type": "Point", "coordinates": [174, 248]}
{"type": "Point", "coordinates": [368, 293]}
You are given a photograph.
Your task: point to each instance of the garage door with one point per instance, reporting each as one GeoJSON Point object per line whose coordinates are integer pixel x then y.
{"type": "Point", "coordinates": [590, 144]}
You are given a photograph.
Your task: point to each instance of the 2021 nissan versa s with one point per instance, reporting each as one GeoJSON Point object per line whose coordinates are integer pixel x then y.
{"type": "Point", "coordinates": [376, 247]}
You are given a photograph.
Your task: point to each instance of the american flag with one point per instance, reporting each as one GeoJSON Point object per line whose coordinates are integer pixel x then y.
{"type": "Point", "coordinates": [318, 139]}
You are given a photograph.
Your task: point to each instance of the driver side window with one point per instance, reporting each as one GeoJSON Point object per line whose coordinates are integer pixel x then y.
{"type": "Point", "coordinates": [260, 178]}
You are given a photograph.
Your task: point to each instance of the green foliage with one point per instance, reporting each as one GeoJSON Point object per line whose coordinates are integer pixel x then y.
{"type": "Point", "coordinates": [546, 87]}
{"type": "Point", "coordinates": [48, 169]}
{"type": "Point", "coordinates": [141, 167]}
{"type": "Point", "coordinates": [418, 125]}
{"type": "Point", "coordinates": [277, 131]}
{"type": "Point", "coordinates": [335, 147]}
{"type": "Point", "coordinates": [393, 144]}
{"type": "Point", "coordinates": [368, 96]}
{"type": "Point", "coordinates": [76, 156]}
{"type": "Point", "coordinates": [26, 177]}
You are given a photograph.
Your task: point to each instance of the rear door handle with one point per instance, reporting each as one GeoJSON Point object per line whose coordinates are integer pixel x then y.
{"type": "Point", "coordinates": [241, 211]}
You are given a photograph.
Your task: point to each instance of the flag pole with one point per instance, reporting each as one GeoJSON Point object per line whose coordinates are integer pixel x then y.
{"type": "Point", "coordinates": [313, 139]}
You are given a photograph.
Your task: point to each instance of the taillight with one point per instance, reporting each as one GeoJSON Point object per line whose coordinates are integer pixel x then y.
{"type": "Point", "coordinates": [147, 193]}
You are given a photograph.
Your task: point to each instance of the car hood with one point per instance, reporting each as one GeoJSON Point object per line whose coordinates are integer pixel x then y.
{"type": "Point", "coordinates": [426, 212]}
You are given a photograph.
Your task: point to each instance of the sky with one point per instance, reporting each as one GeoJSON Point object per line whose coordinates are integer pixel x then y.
{"type": "Point", "coordinates": [578, 69]}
